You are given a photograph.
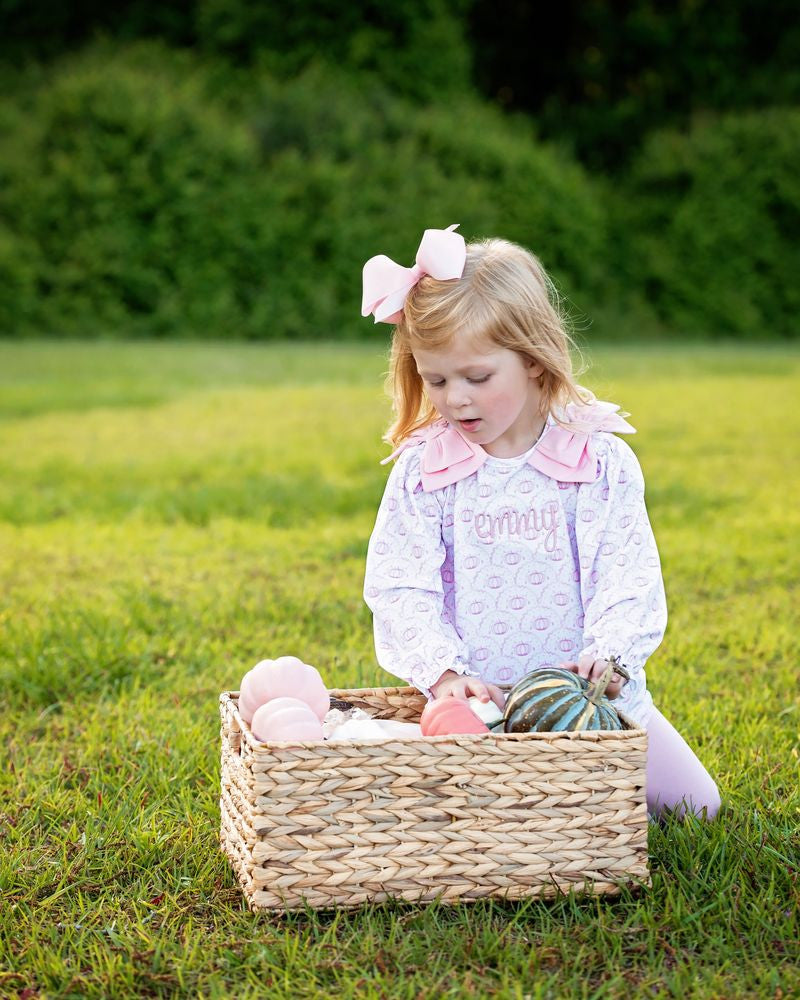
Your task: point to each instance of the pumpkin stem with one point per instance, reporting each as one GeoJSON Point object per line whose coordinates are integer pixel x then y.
{"type": "Point", "coordinates": [600, 685]}
{"type": "Point", "coordinates": [619, 669]}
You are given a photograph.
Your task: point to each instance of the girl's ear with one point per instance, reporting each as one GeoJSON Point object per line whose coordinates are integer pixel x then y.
{"type": "Point", "coordinates": [535, 369]}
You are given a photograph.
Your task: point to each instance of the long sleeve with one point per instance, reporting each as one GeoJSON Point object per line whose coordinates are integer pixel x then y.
{"type": "Point", "coordinates": [415, 638]}
{"type": "Point", "coordinates": [622, 591]}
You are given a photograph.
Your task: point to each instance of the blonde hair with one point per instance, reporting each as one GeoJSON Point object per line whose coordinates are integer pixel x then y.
{"type": "Point", "coordinates": [503, 296]}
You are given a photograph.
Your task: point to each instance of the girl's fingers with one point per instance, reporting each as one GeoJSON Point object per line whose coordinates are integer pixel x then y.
{"type": "Point", "coordinates": [598, 669]}
{"type": "Point", "coordinates": [587, 667]}
{"type": "Point", "coordinates": [594, 669]}
{"type": "Point", "coordinates": [479, 689]}
{"type": "Point", "coordinates": [497, 695]}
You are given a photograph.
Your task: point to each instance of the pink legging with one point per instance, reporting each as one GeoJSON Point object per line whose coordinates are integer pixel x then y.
{"type": "Point", "coordinates": [675, 777]}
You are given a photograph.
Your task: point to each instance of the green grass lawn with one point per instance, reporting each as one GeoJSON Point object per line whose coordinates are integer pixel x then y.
{"type": "Point", "coordinates": [170, 514]}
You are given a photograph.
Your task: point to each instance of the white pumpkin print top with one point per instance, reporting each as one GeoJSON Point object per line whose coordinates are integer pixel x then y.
{"type": "Point", "coordinates": [509, 570]}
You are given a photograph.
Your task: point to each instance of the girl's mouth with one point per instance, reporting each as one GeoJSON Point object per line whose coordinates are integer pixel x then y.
{"type": "Point", "coordinates": [470, 425]}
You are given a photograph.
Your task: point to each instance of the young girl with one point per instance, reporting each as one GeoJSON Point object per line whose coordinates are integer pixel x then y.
{"type": "Point", "coordinates": [512, 534]}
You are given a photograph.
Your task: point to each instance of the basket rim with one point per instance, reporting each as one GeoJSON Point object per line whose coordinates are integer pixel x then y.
{"type": "Point", "coordinates": [635, 731]}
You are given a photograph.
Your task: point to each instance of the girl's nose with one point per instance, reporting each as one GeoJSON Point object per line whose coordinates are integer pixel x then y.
{"type": "Point", "coordinates": [457, 396]}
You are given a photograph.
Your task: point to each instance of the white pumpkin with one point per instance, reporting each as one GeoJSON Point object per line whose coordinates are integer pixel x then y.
{"type": "Point", "coordinates": [486, 711]}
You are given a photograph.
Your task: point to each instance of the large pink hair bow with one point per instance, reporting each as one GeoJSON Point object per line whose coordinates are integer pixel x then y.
{"type": "Point", "coordinates": [566, 454]}
{"type": "Point", "coordinates": [442, 254]}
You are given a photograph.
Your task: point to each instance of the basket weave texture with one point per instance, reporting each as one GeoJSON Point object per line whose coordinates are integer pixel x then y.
{"type": "Point", "coordinates": [338, 823]}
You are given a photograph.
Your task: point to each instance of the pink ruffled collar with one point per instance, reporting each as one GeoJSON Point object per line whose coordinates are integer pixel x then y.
{"type": "Point", "coordinates": [565, 453]}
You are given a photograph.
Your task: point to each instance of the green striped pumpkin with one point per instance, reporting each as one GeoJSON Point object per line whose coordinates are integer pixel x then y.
{"type": "Point", "coordinates": [556, 700]}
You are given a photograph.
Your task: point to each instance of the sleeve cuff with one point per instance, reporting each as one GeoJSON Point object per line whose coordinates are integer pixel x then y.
{"type": "Point", "coordinates": [459, 667]}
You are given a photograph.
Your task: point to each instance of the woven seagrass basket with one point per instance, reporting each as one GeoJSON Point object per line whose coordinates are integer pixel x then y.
{"type": "Point", "coordinates": [338, 823]}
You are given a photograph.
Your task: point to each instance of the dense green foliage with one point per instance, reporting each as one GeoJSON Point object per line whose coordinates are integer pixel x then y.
{"type": "Point", "coordinates": [138, 200]}
{"type": "Point", "coordinates": [229, 178]}
{"type": "Point", "coordinates": [170, 513]}
{"type": "Point", "coordinates": [128, 194]}
{"type": "Point", "coordinates": [418, 48]}
{"type": "Point", "coordinates": [602, 75]}
{"type": "Point", "coordinates": [709, 226]}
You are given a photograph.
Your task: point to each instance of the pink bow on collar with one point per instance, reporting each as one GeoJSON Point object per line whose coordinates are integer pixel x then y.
{"type": "Point", "coordinates": [446, 457]}
{"type": "Point", "coordinates": [442, 254]}
{"type": "Point", "coordinates": [566, 454]}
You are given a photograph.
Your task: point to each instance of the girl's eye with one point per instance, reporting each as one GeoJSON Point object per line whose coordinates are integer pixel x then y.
{"type": "Point", "coordinates": [472, 381]}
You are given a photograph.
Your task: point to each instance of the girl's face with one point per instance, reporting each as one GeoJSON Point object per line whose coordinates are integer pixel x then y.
{"type": "Point", "coordinates": [491, 394]}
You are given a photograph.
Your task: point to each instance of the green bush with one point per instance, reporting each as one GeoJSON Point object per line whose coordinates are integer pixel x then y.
{"type": "Point", "coordinates": [138, 202]}
{"type": "Point", "coordinates": [416, 47]}
{"type": "Point", "coordinates": [144, 192]}
{"type": "Point", "coordinates": [612, 72]}
{"type": "Point", "coordinates": [394, 171]}
{"type": "Point", "coordinates": [134, 189]}
{"type": "Point", "coordinates": [710, 225]}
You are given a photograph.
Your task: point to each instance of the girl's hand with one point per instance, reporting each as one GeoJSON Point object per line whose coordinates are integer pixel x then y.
{"type": "Point", "coordinates": [453, 685]}
{"type": "Point", "coordinates": [592, 670]}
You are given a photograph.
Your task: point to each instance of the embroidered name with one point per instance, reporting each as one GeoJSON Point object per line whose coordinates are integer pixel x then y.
{"type": "Point", "coordinates": [530, 524]}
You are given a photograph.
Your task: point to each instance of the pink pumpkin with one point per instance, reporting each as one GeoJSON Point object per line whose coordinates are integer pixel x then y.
{"type": "Point", "coordinates": [448, 716]}
{"type": "Point", "coordinates": [286, 719]}
{"type": "Point", "coordinates": [285, 677]}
